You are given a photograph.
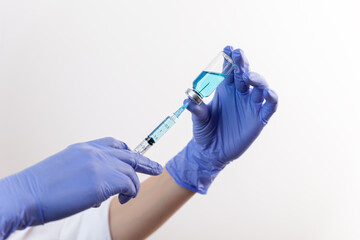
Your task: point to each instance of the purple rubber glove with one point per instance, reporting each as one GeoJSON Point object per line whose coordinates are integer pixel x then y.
{"type": "Point", "coordinates": [79, 177]}
{"type": "Point", "coordinates": [224, 128]}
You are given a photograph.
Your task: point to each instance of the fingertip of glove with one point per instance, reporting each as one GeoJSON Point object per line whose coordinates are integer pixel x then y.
{"type": "Point", "coordinates": [124, 199]}
{"type": "Point", "coordinates": [96, 205]}
{"type": "Point", "coordinates": [191, 105]}
{"type": "Point", "coordinates": [271, 96]}
{"type": "Point", "coordinates": [156, 169]}
{"type": "Point", "coordinates": [159, 169]}
{"type": "Point", "coordinates": [237, 52]}
{"type": "Point", "coordinates": [228, 49]}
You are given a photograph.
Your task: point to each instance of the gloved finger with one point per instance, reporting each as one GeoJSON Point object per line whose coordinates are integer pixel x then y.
{"type": "Point", "coordinates": [119, 183]}
{"type": "Point", "coordinates": [126, 169]}
{"type": "Point", "coordinates": [270, 106]}
{"type": "Point", "coordinates": [110, 142]}
{"type": "Point", "coordinates": [139, 163]}
{"type": "Point", "coordinates": [200, 112]}
{"type": "Point", "coordinates": [123, 198]}
{"type": "Point", "coordinates": [230, 78]}
{"type": "Point", "coordinates": [127, 191]}
{"type": "Point", "coordinates": [259, 83]}
{"type": "Point", "coordinates": [242, 66]}
{"type": "Point", "coordinates": [96, 205]}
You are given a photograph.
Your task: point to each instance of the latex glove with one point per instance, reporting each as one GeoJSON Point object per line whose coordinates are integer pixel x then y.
{"type": "Point", "coordinates": [225, 128]}
{"type": "Point", "coordinates": [79, 177]}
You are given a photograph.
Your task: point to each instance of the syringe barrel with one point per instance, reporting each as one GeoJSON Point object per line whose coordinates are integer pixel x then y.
{"type": "Point", "coordinates": [143, 146]}
{"type": "Point", "coordinates": [156, 134]}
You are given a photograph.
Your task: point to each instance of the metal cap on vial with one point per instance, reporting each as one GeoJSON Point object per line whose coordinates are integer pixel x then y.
{"type": "Point", "coordinates": [194, 96]}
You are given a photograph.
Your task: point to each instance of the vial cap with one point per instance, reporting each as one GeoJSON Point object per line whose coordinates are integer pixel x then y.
{"type": "Point", "coordinates": [193, 96]}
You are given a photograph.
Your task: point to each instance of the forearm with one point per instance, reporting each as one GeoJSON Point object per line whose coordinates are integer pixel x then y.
{"type": "Point", "coordinates": [158, 199]}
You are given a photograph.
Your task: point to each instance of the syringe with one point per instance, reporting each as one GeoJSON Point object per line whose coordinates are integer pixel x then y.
{"type": "Point", "coordinates": [203, 86]}
{"type": "Point", "coordinates": [155, 135]}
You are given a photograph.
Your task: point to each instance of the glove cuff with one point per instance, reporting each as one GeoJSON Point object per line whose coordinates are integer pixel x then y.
{"type": "Point", "coordinates": [192, 169]}
{"type": "Point", "coordinates": [19, 209]}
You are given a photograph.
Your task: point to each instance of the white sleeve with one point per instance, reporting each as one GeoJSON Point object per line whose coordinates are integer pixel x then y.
{"type": "Point", "coordinates": [87, 225]}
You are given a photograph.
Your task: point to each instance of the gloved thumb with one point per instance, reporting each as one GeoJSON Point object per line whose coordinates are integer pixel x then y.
{"type": "Point", "coordinates": [200, 112]}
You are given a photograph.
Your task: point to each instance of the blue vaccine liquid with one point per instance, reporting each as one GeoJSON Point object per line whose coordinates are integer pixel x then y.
{"type": "Point", "coordinates": [155, 135]}
{"type": "Point", "coordinates": [162, 129]}
{"type": "Point", "coordinates": [206, 83]}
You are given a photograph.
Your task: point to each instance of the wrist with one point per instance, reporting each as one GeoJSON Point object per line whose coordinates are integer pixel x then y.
{"type": "Point", "coordinates": [195, 168]}
{"type": "Point", "coordinates": [18, 206]}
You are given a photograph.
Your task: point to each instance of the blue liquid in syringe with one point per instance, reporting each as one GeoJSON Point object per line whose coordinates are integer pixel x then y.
{"type": "Point", "coordinates": [162, 129]}
{"type": "Point", "coordinates": [155, 135]}
{"type": "Point", "coordinates": [206, 83]}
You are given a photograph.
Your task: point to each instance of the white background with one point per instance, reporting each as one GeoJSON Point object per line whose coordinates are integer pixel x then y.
{"type": "Point", "coordinates": [73, 71]}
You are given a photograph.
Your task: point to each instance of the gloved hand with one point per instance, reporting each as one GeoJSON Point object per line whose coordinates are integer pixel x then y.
{"type": "Point", "coordinates": [79, 177]}
{"type": "Point", "coordinates": [225, 128]}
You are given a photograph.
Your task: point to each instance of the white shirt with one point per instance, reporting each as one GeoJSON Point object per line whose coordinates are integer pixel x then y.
{"type": "Point", "coordinates": [87, 225]}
